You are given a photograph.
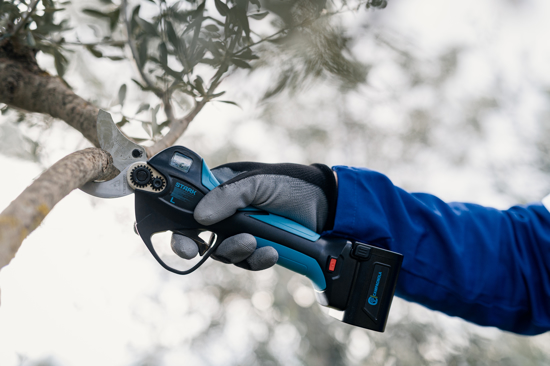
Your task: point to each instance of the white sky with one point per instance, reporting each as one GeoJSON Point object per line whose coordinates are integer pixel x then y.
{"type": "Point", "coordinates": [81, 285]}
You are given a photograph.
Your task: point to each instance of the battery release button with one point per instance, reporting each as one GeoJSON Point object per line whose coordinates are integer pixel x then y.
{"type": "Point", "coordinates": [361, 252]}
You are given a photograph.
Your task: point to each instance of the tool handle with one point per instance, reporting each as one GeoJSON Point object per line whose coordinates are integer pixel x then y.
{"type": "Point", "coordinates": [354, 278]}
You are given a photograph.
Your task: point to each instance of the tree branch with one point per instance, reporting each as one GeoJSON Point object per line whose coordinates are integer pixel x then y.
{"type": "Point", "coordinates": [36, 91]}
{"type": "Point", "coordinates": [23, 21]}
{"type": "Point", "coordinates": [27, 211]}
{"type": "Point", "coordinates": [177, 128]}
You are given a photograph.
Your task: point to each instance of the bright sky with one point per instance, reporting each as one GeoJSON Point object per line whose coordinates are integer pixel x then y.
{"type": "Point", "coordinates": [84, 289]}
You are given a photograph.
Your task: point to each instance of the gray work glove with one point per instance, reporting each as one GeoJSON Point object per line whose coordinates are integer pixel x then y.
{"type": "Point", "coordinates": [305, 194]}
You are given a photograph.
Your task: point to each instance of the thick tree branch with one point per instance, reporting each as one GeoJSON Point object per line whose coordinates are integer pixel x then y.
{"type": "Point", "coordinates": [34, 90]}
{"type": "Point", "coordinates": [28, 210]}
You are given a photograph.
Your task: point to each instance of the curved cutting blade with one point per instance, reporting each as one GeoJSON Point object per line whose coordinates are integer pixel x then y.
{"type": "Point", "coordinates": [114, 188]}
{"type": "Point", "coordinates": [124, 153]}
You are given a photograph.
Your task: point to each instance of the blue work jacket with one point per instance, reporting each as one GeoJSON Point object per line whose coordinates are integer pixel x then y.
{"type": "Point", "coordinates": [488, 266]}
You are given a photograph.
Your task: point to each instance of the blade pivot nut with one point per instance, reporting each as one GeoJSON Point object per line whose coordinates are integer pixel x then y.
{"type": "Point", "coordinates": [141, 175]}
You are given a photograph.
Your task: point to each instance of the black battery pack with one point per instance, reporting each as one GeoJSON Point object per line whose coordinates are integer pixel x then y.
{"type": "Point", "coordinates": [373, 287]}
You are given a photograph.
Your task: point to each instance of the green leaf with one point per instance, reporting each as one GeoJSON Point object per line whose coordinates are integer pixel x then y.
{"type": "Point", "coordinates": [163, 53]}
{"type": "Point", "coordinates": [142, 52]}
{"type": "Point", "coordinates": [60, 63]}
{"type": "Point", "coordinates": [176, 75]}
{"type": "Point", "coordinates": [209, 61]}
{"type": "Point", "coordinates": [222, 8]}
{"type": "Point", "coordinates": [113, 18]}
{"type": "Point", "coordinates": [240, 63]}
{"type": "Point", "coordinates": [119, 44]}
{"type": "Point", "coordinates": [258, 16]}
{"type": "Point", "coordinates": [178, 44]}
{"type": "Point", "coordinates": [53, 10]}
{"type": "Point", "coordinates": [229, 102]}
{"type": "Point", "coordinates": [240, 14]}
{"type": "Point", "coordinates": [115, 58]}
{"type": "Point", "coordinates": [146, 26]}
{"type": "Point", "coordinates": [122, 94]}
{"type": "Point", "coordinates": [212, 28]}
{"type": "Point", "coordinates": [142, 107]}
{"type": "Point", "coordinates": [196, 35]}
{"type": "Point", "coordinates": [133, 22]}
{"type": "Point", "coordinates": [96, 13]}
{"type": "Point", "coordinates": [141, 86]}
{"type": "Point", "coordinates": [213, 47]}
{"type": "Point", "coordinates": [94, 52]}
{"type": "Point", "coordinates": [218, 94]}
{"type": "Point", "coordinates": [247, 55]}
{"type": "Point", "coordinates": [199, 85]}
{"type": "Point", "coordinates": [199, 54]}
{"type": "Point", "coordinates": [172, 36]}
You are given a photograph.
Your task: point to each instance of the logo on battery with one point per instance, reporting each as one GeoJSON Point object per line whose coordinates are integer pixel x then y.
{"type": "Point", "coordinates": [373, 300]}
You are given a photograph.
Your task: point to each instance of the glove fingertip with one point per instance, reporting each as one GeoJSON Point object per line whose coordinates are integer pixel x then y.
{"type": "Point", "coordinates": [183, 246]}
{"type": "Point", "coordinates": [236, 248]}
{"type": "Point", "coordinates": [262, 258]}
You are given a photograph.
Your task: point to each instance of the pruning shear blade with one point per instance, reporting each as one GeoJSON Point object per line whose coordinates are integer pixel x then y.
{"type": "Point", "coordinates": [124, 153]}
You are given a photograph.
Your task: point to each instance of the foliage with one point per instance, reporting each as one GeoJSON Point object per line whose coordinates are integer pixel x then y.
{"type": "Point", "coordinates": [184, 49]}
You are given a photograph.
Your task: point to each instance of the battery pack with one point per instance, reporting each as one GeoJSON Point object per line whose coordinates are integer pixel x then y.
{"type": "Point", "coordinates": [373, 287]}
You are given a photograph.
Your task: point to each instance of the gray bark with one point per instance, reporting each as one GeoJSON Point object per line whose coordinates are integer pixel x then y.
{"type": "Point", "coordinates": [34, 90]}
{"type": "Point", "coordinates": [27, 211]}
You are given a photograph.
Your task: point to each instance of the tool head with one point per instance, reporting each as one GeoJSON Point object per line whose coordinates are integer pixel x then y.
{"type": "Point", "coordinates": [124, 153]}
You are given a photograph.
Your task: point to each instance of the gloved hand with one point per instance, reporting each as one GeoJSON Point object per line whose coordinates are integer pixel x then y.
{"type": "Point", "coordinates": [305, 194]}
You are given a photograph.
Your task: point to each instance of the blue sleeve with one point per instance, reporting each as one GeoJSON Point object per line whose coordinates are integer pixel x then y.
{"type": "Point", "coordinates": [488, 266]}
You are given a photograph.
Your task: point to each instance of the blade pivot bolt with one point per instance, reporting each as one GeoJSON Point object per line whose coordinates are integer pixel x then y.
{"type": "Point", "coordinates": [141, 176]}
{"type": "Point", "coordinates": [136, 153]}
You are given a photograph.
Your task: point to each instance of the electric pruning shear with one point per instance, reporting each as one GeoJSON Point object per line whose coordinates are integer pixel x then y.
{"type": "Point", "coordinates": [355, 281]}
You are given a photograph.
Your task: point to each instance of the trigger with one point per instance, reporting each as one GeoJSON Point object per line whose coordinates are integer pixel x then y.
{"type": "Point", "coordinates": [194, 235]}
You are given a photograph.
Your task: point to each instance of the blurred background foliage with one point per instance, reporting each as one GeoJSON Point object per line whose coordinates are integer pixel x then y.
{"type": "Point", "coordinates": [459, 110]}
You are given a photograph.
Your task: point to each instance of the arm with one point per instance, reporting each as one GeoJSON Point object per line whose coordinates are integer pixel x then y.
{"type": "Point", "coordinates": [487, 266]}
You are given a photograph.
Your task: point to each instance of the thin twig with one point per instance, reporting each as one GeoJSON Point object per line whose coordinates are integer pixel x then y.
{"type": "Point", "coordinates": [24, 20]}
{"type": "Point", "coordinates": [177, 128]}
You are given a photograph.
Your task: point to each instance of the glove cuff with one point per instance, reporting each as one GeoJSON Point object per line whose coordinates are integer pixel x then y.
{"type": "Point", "coordinates": [330, 189]}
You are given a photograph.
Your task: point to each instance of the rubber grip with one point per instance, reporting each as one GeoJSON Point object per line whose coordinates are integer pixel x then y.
{"type": "Point", "coordinates": [290, 258]}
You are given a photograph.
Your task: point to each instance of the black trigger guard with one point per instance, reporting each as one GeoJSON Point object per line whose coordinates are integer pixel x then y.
{"type": "Point", "coordinates": [153, 224]}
